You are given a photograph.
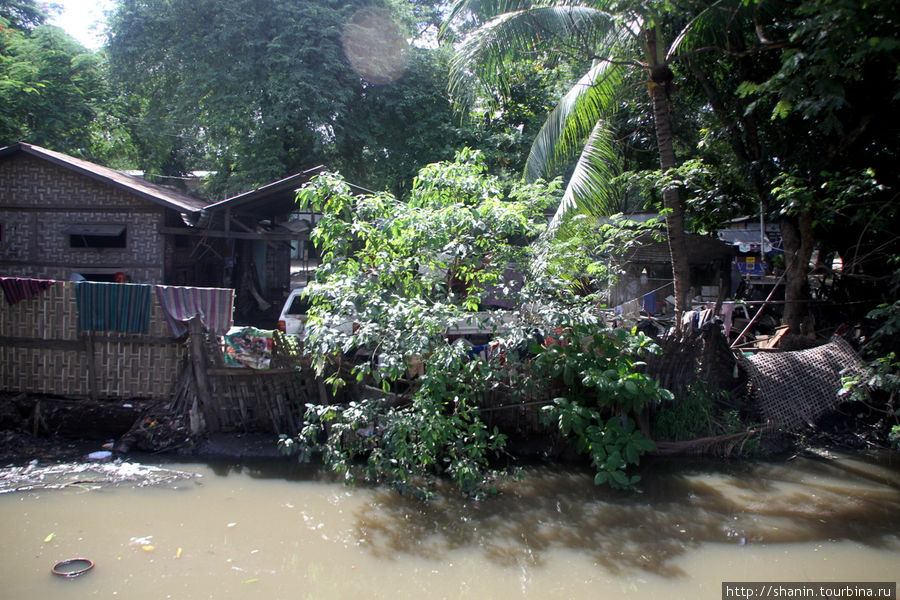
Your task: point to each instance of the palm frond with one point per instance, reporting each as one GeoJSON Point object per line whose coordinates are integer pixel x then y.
{"type": "Point", "coordinates": [483, 10]}
{"type": "Point", "coordinates": [481, 57]}
{"type": "Point", "coordinates": [574, 118]}
{"type": "Point", "coordinates": [710, 27]}
{"type": "Point", "coordinates": [590, 189]}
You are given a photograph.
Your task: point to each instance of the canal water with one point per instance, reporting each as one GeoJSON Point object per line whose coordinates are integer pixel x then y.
{"type": "Point", "coordinates": [276, 531]}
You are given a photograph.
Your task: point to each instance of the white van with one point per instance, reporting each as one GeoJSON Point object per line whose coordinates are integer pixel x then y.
{"type": "Point", "coordinates": [292, 319]}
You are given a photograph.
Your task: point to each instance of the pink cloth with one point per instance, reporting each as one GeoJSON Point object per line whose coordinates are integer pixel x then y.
{"type": "Point", "coordinates": [180, 304]}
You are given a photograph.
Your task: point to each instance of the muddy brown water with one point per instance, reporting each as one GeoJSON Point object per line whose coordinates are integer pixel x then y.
{"type": "Point", "coordinates": [260, 530]}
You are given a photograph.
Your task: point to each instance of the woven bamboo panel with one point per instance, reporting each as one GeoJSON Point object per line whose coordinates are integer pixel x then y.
{"type": "Point", "coordinates": [41, 371]}
{"type": "Point", "coordinates": [131, 370]}
{"type": "Point", "coordinates": [51, 315]}
{"type": "Point", "coordinates": [56, 358]}
{"type": "Point", "coordinates": [796, 388]}
{"type": "Point", "coordinates": [264, 402]}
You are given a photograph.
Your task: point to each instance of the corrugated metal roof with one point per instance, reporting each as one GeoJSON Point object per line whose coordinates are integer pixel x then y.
{"type": "Point", "coordinates": [747, 240]}
{"type": "Point", "coordinates": [277, 197]}
{"type": "Point", "coordinates": [161, 195]}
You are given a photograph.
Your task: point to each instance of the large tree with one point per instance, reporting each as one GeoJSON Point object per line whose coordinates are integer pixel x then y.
{"type": "Point", "coordinates": [619, 43]}
{"type": "Point", "coordinates": [811, 126]}
{"type": "Point", "coordinates": [51, 88]}
{"type": "Point", "coordinates": [257, 90]}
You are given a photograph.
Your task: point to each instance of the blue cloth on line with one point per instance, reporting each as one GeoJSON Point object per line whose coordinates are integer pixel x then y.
{"type": "Point", "coordinates": [649, 302]}
{"type": "Point", "coordinates": [123, 307]}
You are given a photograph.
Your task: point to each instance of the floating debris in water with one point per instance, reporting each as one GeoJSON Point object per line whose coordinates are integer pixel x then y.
{"type": "Point", "coordinates": [100, 455]}
{"type": "Point", "coordinates": [85, 476]}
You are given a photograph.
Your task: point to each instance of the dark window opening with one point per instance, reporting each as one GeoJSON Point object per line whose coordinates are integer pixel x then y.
{"type": "Point", "coordinates": [299, 306]}
{"type": "Point", "coordinates": [97, 236]}
{"type": "Point", "coordinates": [101, 277]}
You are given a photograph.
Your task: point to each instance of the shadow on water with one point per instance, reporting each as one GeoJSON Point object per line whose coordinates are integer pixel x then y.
{"type": "Point", "coordinates": [286, 468]}
{"type": "Point", "coordinates": [682, 506]}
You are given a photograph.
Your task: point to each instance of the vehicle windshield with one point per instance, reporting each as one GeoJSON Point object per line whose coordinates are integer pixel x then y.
{"type": "Point", "coordinates": [299, 306]}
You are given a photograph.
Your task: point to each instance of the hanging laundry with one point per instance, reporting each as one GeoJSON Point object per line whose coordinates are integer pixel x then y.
{"type": "Point", "coordinates": [632, 308]}
{"type": "Point", "coordinates": [17, 289]}
{"type": "Point", "coordinates": [121, 307]}
{"type": "Point", "coordinates": [649, 302]}
{"type": "Point", "coordinates": [180, 304]}
{"type": "Point", "coordinates": [727, 312]}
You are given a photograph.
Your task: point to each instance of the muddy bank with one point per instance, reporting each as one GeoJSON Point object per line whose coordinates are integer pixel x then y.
{"type": "Point", "coordinates": [50, 429]}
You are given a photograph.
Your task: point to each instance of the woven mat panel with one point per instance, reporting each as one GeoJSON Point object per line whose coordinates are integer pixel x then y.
{"type": "Point", "coordinates": [51, 315]}
{"type": "Point", "coordinates": [131, 370]}
{"type": "Point", "coordinates": [123, 370]}
{"type": "Point", "coordinates": [796, 388]}
{"type": "Point", "coordinates": [42, 371]}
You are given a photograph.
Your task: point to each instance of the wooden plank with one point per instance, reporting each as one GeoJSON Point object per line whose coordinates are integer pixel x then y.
{"type": "Point", "coordinates": [248, 372]}
{"type": "Point", "coordinates": [198, 361]}
{"type": "Point", "coordinates": [237, 235]}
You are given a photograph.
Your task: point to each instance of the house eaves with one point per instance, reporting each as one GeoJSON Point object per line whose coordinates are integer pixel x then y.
{"type": "Point", "coordinates": [169, 198]}
{"type": "Point", "coordinates": [277, 198]}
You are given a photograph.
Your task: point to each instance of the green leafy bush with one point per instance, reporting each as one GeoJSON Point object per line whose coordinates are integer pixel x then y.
{"type": "Point", "coordinates": [407, 274]}
{"type": "Point", "coordinates": [599, 369]}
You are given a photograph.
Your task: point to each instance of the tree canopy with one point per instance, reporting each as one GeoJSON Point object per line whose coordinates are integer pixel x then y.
{"type": "Point", "coordinates": [256, 91]}
{"type": "Point", "coordinates": [52, 89]}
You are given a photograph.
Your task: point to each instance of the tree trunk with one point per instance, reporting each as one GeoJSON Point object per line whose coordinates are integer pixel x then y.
{"type": "Point", "coordinates": [797, 235]}
{"type": "Point", "coordinates": [660, 84]}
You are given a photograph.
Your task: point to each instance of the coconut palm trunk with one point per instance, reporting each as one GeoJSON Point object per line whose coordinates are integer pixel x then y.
{"type": "Point", "coordinates": [660, 79]}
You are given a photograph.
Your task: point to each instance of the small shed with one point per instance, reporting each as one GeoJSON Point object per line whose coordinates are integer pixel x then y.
{"type": "Point", "coordinates": [648, 269]}
{"type": "Point", "coordinates": [258, 243]}
{"type": "Point", "coordinates": [64, 218]}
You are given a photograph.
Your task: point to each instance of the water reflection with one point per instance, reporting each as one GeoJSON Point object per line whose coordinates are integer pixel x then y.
{"type": "Point", "coordinates": [681, 507]}
{"type": "Point", "coordinates": [264, 529]}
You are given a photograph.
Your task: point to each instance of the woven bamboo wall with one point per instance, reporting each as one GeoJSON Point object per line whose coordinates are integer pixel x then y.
{"type": "Point", "coordinates": [42, 352]}
{"type": "Point", "coordinates": [39, 200]}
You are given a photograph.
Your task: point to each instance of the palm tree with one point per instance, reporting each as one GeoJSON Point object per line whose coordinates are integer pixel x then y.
{"type": "Point", "coordinates": [632, 38]}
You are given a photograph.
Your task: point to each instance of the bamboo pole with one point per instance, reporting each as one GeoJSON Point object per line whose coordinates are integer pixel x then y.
{"type": "Point", "coordinates": [758, 312]}
{"type": "Point", "coordinates": [199, 363]}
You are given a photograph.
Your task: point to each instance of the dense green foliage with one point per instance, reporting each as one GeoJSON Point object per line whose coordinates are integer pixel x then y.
{"type": "Point", "coordinates": [878, 383]}
{"type": "Point", "coordinates": [257, 91]}
{"type": "Point", "coordinates": [51, 89]}
{"type": "Point", "coordinates": [409, 274]}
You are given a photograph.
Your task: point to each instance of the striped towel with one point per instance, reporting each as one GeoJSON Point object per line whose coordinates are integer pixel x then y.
{"type": "Point", "coordinates": [113, 306]}
{"type": "Point", "coordinates": [17, 289]}
{"type": "Point", "coordinates": [179, 304]}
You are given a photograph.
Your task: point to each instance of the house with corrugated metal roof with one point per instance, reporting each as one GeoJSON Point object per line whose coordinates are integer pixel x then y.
{"type": "Point", "coordinates": [65, 218]}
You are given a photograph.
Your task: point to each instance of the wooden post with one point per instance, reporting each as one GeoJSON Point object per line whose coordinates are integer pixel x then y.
{"type": "Point", "coordinates": [199, 363]}
{"type": "Point", "coordinates": [91, 364]}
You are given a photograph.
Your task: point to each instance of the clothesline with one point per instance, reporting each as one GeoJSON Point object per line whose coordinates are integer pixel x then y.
{"type": "Point", "coordinates": [635, 305]}
{"type": "Point", "coordinates": [126, 307]}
